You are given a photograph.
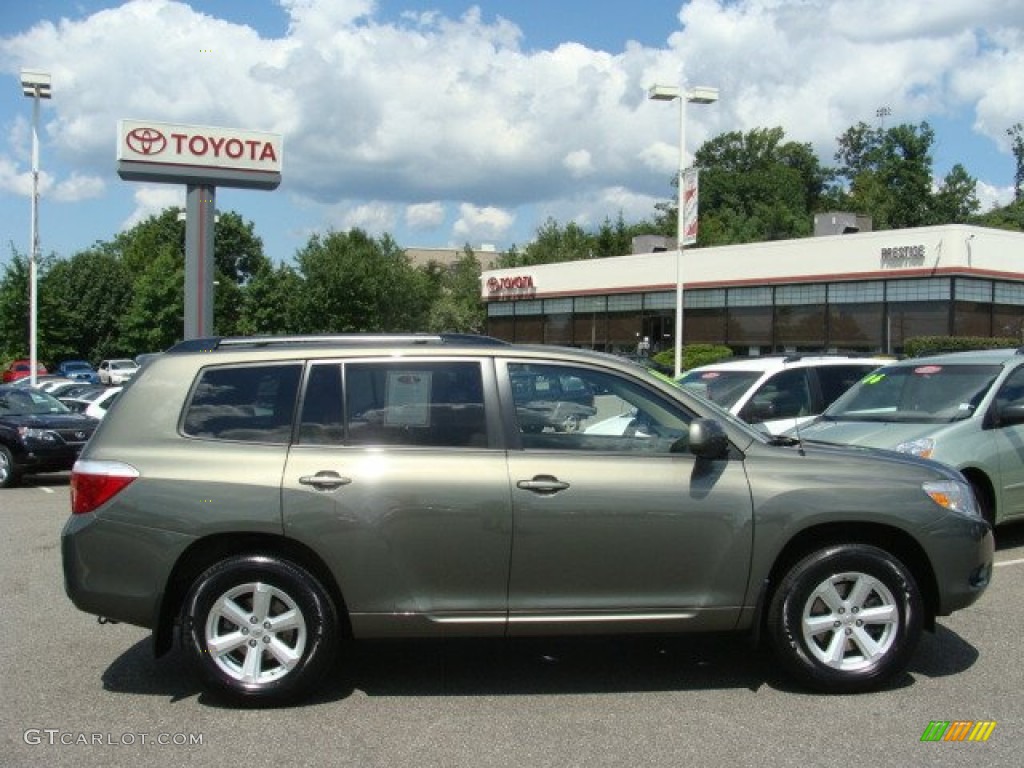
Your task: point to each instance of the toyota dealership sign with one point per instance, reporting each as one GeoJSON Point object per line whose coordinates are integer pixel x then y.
{"type": "Point", "coordinates": [153, 151]}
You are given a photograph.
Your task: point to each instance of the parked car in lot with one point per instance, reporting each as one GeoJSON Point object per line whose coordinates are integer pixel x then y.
{"type": "Point", "coordinates": [965, 409]}
{"type": "Point", "coordinates": [37, 434]}
{"type": "Point", "coordinates": [116, 371]}
{"type": "Point", "coordinates": [92, 402]}
{"type": "Point", "coordinates": [779, 392]}
{"type": "Point", "coordinates": [78, 370]}
{"type": "Point", "coordinates": [21, 369]}
{"type": "Point", "coordinates": [260, 499]}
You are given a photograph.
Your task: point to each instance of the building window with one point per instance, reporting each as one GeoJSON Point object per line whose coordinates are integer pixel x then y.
{"type": "Point", "coordinates": [972, 318]}
{"type": "Point", "coordinates": [973, 290]}
{"type": "Point", "coordinates": [787, 295]}
{"type": "Point", "coordinates": [1009, 293]}
{"type": "Point", "coordinates": [856, 293]}
{"type": "Point", "coordinates": [590, 304]}
{"type": "Point", "coordinates": [856, 326]}
{"type": "Point", "coordinates": [702, 299]}
{"type": "Point", "coordinates": [557, 306]}
{"type": "Point", "coordinates": [531, 307]}
{"type": "Point", "coordinates": [927, 289]}
{"type": "Point", "coordinates": [660, 300]}
{"type": "Point", "coordinates": [501, 309]}
{"type": "Point", "coordinates": [750, 297]}
{"type": "Point", "coordinates": [625, 302]}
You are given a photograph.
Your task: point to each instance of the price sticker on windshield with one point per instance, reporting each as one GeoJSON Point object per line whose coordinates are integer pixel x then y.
{"type": "Point", "coordinates": [927, 370]}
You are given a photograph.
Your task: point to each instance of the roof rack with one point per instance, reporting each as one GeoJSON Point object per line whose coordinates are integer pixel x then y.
{"type": "Point", "coordinates": [212, 343]}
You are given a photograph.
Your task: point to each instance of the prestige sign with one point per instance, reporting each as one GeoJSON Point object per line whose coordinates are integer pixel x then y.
{"type": "Point", "coordinates": [902, 257]}
{"type": "Point", "coordinates": [153, 151]}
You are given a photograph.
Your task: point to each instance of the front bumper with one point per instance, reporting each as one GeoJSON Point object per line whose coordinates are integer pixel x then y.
{"type": "Point", "coordinates": [963, 573]}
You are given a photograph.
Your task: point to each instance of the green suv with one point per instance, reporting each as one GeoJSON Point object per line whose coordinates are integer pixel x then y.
{"type": "Point", "coordinates": [263, 499]}
{"type": "Point", "coordinates": [965, 409]}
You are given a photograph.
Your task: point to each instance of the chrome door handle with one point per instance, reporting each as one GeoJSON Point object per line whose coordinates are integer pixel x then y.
{"type": "Point", "coordinates": [325, 480]}
{"type": "Point", "coordinates": [543, 484]}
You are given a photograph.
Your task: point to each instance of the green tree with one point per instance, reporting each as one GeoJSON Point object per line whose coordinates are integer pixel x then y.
{"type": "Point", "coordinates": [14, 308]}
{"type": "Point", "coordinates": [756, 186]}
{"type": "Point", "coordinates": [956, 200]}
{"type": "Point", "coordinates": [155, 318]}
{"type": "Point", "coordinates": [457, 306]}
{"type": "Point", "coordinates": [269, 301]}
{"type": "Point", "coordinates": [351, 282]}
{"type": "Point", "coordinates": [82, 300]}
{"type": "Point", "coordinates": [888, 176]}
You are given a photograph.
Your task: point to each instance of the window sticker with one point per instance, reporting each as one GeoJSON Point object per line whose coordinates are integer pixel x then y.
{"type": "Point", "coordinates": [927, 370]}
{"type": "Point", "coordinates": [408, 399]}
{"type": "Point", "coordinates": [709, 375]}
{"type": "Point", "coordinates": [874, 378]}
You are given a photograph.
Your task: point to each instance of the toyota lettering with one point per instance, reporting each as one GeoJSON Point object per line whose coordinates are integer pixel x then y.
{"type": "Point", "coordinates": [195, 146]}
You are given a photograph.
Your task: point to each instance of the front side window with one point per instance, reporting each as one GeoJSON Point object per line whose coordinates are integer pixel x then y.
{"type": "Point", "coordinates": [581, 409]}
{"type": "Point", "coordinates": [724, 387]}
{"type": "Point", "coordinates": [246, 403]}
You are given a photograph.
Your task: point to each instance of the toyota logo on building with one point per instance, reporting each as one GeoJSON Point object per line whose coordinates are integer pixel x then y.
{"type": "Point", "coordinates": [146, 141]}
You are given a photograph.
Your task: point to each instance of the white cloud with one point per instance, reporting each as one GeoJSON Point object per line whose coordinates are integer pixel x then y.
{"type": "Point", "coordinates": [429, 108]}
{"type": "Point", "coordinates": [78, 187]}
{"type": "Point", "coordinates": [375, 218]}
{"type": "Point", "coordinates": [477, 224]}
{"type": "Point", "coordinates": [993, 197]}
{"type": "Point", "coordinates": [424, 216]}
{"type": "Point", "coordinates": [151, 201]}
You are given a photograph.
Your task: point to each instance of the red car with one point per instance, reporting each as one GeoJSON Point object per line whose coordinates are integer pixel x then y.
{"type": "Point", "coordinates": [19, 369]}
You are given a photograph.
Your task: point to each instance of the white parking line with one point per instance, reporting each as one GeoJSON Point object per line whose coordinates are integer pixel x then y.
{"type": "Point", "coordinates": [1010, 562]}
{"type": "Point", "coordinates": [44, 489]}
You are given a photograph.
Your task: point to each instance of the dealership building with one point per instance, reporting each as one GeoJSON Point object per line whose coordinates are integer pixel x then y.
{"type": "Point", "coordinates": [861, 292]}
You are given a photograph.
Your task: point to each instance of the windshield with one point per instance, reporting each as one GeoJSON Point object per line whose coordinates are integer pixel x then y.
{"type": "Point", "coordinates": [925, 394]}
{"type": "Point", "coordinates": [722, 387]}
{"type": "Point", "coordinates": [26, 402]}
{"type": "Point", "coordinates": [77, 367]}
{"type": "Point", "coordinates": [122, 364]}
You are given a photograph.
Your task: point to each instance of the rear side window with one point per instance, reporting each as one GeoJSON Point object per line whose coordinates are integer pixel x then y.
{"type": "Point", "coordinates": [415, 403]}
{"type": "Point", "coordinates": [248, 403]}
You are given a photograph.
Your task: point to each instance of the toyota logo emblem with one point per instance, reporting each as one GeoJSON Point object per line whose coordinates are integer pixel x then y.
{"type": "Point", "coordinates": [146, 141]}
{"type": "Point", "coordinates": [80, 435]}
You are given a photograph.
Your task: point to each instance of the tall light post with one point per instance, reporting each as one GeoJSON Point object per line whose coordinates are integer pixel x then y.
{"type": "Point", "coordinates": [697, 95]}
{"type": "Point", "coordinates": [35, 85]}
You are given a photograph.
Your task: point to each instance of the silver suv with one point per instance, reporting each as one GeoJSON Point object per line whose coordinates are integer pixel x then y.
{"type": "Point", "coordinates": [268, 497]}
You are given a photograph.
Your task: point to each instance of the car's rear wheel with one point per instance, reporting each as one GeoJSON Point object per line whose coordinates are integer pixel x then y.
{"type": "Point", "coordinates": [262, 629]}
{"type": "Point", "coordinates": [9, 475]}
{"type": "Point", "coordinates": [846, 618]}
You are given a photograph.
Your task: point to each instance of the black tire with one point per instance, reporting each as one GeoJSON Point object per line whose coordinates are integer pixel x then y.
{"type": "Point", "coordinates": [9, 474]}
{"type": "Point", "coordinates": [816, 625]}
{"type": "Point", "coordinates": [260, 663]}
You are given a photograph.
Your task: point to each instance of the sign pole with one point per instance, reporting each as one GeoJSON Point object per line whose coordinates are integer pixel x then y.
{"type": "Point", "coordinates": [200, 210]}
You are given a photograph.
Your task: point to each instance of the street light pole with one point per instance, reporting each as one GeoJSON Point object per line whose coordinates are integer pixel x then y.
{"type": "Point", "coordinates": [35, 85]}
{"type": "Point", "coordinates": [699, 95]}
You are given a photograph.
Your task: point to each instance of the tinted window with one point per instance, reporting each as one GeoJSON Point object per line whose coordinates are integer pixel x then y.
{"type": "Point", "coordinates": [17, 402]}
{"type": "Point", "coordinates": [322, 422]}
{"type": "Point", "coordinates": [617, 414]}
{"type": "Point", "coordinates": [836, 379]}
{"type": "Point", "coordinates": [785, 395]}
{"type": "Point", "coordinates": [253, 404]}
{"type": "Point", "coordinates": [415, 403]}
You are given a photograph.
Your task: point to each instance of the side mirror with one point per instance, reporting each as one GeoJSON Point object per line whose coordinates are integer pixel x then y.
{"type": "Point", "coordinates": [708, 440]}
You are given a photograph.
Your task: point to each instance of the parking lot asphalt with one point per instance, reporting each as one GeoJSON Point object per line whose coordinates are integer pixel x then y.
{"type": "Point", "coordinates": [76, 693]}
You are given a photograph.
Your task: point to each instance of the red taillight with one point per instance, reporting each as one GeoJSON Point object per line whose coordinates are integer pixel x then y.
{"type": "Point", "coordinates": [93, 483]}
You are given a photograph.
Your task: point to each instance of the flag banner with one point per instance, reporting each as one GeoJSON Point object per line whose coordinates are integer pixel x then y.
{"type": "Point", "coordinates": [689, 182]}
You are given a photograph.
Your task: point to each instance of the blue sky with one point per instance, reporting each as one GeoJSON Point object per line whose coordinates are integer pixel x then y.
{"type": "Point", "coordinates": [445, 122]}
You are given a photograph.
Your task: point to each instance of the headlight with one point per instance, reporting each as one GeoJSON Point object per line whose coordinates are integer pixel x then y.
{"type": "Point", "coordinates": [952, 495]}
{"type": "Point", "coordinates": [42, 435]}
{"type": "Point", "coordinates": [922, 447]}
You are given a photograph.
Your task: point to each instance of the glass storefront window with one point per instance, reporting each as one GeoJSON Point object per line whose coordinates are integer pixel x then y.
{"type": "Point", "coordinates": [856, 327]}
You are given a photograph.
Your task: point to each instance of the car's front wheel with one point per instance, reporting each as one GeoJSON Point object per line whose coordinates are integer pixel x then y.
{"type": "Point", "coordinates": [9, 475]}
{"type": "Point", "coordinates": [846, 618]}
{"type": "Point", "coordinates": [262, 629]}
